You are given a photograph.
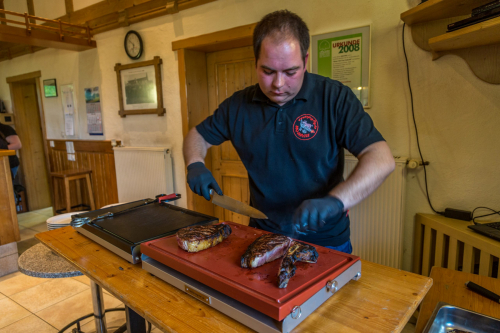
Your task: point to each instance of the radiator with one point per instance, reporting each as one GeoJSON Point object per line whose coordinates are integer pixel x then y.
{"type": "Point", "coordinates": [377, 222]}
{"type": "Point", "coordinates": [143, 172]}
{"type": "Point", "coordinates": [449, 243]}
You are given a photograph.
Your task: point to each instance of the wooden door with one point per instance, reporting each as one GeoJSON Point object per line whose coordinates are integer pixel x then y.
{"type": "Point", "coordinates": [32, 156]}
{"type": "Point", "coordinates": [229, 71]}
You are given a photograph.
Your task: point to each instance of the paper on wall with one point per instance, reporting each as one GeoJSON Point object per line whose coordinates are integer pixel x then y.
{"type": "Point", "coordinates": [68, 103]}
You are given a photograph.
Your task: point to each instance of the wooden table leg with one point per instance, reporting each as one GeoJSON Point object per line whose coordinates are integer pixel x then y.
{"type": "Point", "coordinates": [91, 193]}
{"type": "Point", "coordinates": [78, 191]}
{"type": "Point", "coordinates": [68, 198]}
{"type": "Point", "coordinates": [56, 196]}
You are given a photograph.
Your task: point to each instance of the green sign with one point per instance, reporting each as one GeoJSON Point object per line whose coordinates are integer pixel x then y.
{"type": "Point", "coordinates": [340, 59]}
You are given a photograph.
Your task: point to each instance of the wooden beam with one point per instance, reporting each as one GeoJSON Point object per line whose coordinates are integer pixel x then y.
{"type": "Point", "coordinates": [105, 15]}
{"type": "Point", "coordinates": [217, 41]}
{"type": "Point", "coordinates": [17, 50]}
{"type": "Point", "coordinates": [31, 9]}
{"type": "Point", "coordinates": [69, 6]}
{"type": "Point", "coordinates": [43, 39]}
{"type": "Point", "coordinates": [23, 77]}
{"type": "Point", "coordinates": [1, 14]}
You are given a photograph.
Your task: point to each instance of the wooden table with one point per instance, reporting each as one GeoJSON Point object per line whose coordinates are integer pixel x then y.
{"type": "Point", "coordinates": [383, 300]}
{"type": "Point", "coordinates": [449, 286]}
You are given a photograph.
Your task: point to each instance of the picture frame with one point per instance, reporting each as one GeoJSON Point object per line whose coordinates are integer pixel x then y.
{"type": "Point", "coordinates": [139, 88]}
{"type": "Point", "coordinates": [345, 56]}
{"type": "Point", "coordinates": [50, 88]}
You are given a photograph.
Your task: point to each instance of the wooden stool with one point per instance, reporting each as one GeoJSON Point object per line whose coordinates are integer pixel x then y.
{"type": "Point", "coordinates": [67, 176]}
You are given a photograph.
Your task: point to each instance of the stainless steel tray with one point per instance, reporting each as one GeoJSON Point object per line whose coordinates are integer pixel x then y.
{"type": "Point", "coordinates": [446, 318]}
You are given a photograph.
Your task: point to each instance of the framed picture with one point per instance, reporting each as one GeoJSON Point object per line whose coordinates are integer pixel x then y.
{"type": "Point", "coordinates": [139, 88]}
{"type": "Point", "coordinates": [345, 56]}
{"type": "Point", "coordinates": [50, 88]}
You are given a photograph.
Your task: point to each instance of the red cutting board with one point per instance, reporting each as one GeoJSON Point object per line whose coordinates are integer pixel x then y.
{"type": "Point", "coordinates": [219, 268]}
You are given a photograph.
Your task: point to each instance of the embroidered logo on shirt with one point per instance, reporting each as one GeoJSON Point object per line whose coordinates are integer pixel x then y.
{"type": "Point", "coordinates": [305, 127]}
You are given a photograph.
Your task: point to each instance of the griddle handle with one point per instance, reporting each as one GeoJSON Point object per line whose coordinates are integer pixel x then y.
{"type": "Point", "coordinates": [169, 197]}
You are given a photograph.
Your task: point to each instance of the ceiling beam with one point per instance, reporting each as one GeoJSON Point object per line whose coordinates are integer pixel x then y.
{"type": "Point", "coordinates": [1, 14]}
{"type": "Point", "coordinates": [108, 15]}
{"type": "Point", "coordinates": [69, 6]}
{"type": "Point", "coordinates": [31, 9]}
{"type": "Point", "coordinates": [100, 17]}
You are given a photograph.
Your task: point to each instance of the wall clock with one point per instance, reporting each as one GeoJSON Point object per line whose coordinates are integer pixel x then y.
{"type": "Point", "coordinates": [133, 45]}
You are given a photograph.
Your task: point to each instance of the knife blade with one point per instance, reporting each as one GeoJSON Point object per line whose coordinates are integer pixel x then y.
{"type": "Point", "coordinates": [236, 206]}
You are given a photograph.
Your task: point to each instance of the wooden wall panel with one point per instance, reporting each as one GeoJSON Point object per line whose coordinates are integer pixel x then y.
{"type": "Point", "coordinates": [97, 156]}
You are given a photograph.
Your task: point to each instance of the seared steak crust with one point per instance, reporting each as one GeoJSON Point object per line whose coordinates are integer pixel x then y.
{"type": "Point", "coordinates": [264, 249]}
{"type": "Point", "coordinates": [198, 238]}
{"type": "Point", "coordinates": [297, 251]}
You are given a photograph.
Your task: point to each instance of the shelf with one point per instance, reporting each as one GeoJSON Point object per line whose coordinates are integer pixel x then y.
{"type": "Point", "coordinates": [440, 9]}
{"type": "Point", "coordinates": [484, 33]}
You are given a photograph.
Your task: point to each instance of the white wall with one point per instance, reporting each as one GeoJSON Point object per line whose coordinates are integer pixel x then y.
{"type": "Point", "coordinates": [457, 114]}
{"type": "Point", "coordinates": [67, 67]}
{"type": "Point", "coordinates": [17, 6]}
{"type": "Point", "coordinates": [50, 9]}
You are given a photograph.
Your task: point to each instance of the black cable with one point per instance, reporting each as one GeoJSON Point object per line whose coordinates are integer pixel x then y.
{"type": "Point", "coordinates": [476, 217]}
{"type": "Point", "coordinates": [415, 124]}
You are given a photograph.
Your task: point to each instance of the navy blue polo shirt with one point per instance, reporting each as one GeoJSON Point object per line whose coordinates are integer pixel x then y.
{"type": "Point", "coordinates": [294, 152]}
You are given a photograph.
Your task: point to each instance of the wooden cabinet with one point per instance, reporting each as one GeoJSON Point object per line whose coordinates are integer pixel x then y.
{"type": "Point", "coordinates": [478, 44]}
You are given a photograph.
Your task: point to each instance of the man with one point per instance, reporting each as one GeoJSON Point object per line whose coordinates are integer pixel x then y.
{"type": "Point", "coordinates": [10, 140]}
{"type": "Point", "coordinates": [289, 131]}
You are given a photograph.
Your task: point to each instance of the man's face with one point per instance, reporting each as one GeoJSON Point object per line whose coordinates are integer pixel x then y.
{"type": "Point", "coordinates": [280, 69]}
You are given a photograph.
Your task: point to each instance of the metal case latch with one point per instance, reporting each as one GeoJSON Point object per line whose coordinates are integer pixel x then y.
{"type": "Point", "coordinates": [332, 286]}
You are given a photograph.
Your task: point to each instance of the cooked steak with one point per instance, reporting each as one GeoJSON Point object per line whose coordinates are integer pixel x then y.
{"type": "Point", "coordinates": [195, 239]}
{"type": "Point", "coordinates": [306, 253]}
{"type": "Point", "coordinates": [264, 249]}
{"type": "Point", "coordinates": [296, 252]}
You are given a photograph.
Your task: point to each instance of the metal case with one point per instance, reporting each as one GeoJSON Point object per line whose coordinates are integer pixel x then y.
{"type": "Point", "coordinates": [241, 312]}
{"type": "Point", "coordinates": [122, 234]}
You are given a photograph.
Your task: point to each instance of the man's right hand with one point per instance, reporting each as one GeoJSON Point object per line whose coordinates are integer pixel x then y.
{"type": "Point", "coordinates": [201, 180]}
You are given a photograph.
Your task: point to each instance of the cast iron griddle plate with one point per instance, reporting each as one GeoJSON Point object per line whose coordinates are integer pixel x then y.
{"type": "Point", "coordinates": [151, 221]}
{"type": "Point", "coordinates": [219, 268]}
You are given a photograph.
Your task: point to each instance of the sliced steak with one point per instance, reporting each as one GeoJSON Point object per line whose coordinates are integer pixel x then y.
{"type": "Point", "coordinates": [297, 251]}
{"type": "Point", "coordinates": [198, 238]}
{"type": "Point", "coordinates": [264, 249]}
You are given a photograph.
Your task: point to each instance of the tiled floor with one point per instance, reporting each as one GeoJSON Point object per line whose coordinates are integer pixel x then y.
{"type": "Point", "coordinates": [31, 223]}
{"type": "Point", "coordinates": [30, 304]}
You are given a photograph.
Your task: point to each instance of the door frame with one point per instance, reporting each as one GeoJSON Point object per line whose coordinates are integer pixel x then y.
{"type": "Point", "coordinates": [34, 77]}
{"type": "Point", "coordinates": [193, 81]}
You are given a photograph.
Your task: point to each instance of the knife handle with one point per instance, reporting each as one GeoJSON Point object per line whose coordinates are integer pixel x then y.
{"type": "Point", "coordinates": [483, 291]}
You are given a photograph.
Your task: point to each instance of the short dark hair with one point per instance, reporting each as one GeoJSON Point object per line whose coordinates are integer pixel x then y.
{"type": "Point", "coordinates": [282, 23]}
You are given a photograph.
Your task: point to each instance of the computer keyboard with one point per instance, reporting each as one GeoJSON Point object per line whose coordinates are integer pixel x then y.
{"type": "Point", "coordinates": [491, 230]}
{"type": "Point", "coordinates": [495, 225]}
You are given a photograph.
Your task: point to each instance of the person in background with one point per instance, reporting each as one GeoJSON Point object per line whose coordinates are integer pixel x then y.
{"type": "Point", "coordinates": [10, 140]}
{"type": "Point", "coordinates": [290, 131]}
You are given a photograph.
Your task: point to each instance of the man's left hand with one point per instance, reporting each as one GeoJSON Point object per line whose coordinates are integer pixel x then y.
{"type": "Point", "coordinates": [312, 214]}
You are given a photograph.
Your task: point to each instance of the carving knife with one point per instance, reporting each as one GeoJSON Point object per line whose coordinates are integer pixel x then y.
{"type": "Point", "coordinates": [236, 206]}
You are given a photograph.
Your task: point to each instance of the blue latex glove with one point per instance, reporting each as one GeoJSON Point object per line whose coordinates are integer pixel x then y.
{"type": "Point", "coordinates": [312, 214]}
{"type": "Point", "coordinates": [201, 180]}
